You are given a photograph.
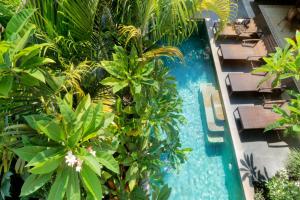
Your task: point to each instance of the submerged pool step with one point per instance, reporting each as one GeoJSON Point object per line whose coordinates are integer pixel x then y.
{"type": "Point", "coordinates": [217, 105]}
{"type": "Point", "coordinates": [215, 134]}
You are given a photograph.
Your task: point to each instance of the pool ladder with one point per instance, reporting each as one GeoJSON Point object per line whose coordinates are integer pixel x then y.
{"type": "Point", "coordinates": [213, 112]}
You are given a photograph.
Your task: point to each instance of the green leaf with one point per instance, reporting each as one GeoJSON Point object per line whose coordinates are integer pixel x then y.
{"type": "Point", "coordinates": [91, 182]}
{"type": "Point", "coordinates": [93, 164]}
{"type": "Point", "coordinates": [296, 128]}
{"type": "Point", "coordinates": [6, 83]}
{"type": "Point", "coordinates": [59, 187]}
{"type": "Point", "coordinates": [37, 74]}
{"type": "Point", "coordinates": [164, 193]}
{"type": "Point", "coordinates": [44, 155]}
{"type": "Point", "coordinates": [47, 166]}
{"type": "Point", "coordinates": [18, 23]}
{"type": "Point", "coordinates": [273, 126]}
{"type": "Point", "coordinates": [33, 183]}
{"type": "Point", "coordinates": [73, 189]}
{"type": "Point", "coordinates": [52, 129]}
{"type": "Point", "coordinates": [28, 152]}
{"type": "Point", "coordinates": [32, 120]}
{"type": "Point", "coordinates": [115, 83]}
{"type": "Point", "coordinates": [108, 161]}
{"type": "Point", "coordinates": [297, 62]}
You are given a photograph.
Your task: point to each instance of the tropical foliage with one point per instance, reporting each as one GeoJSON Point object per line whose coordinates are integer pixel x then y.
{"type": "Point", "coordinates": [283, 64]}
{"type": "Point", "coordinates": [88, 108]}
{"type": "Point", "coordinates": [285, 183]}
{"type": "Point", "coordinates": [290, 115]}
{"type": "Point", "coordinates": [293, 164]}
{"type": "Point", "coordinates": [281, 188]}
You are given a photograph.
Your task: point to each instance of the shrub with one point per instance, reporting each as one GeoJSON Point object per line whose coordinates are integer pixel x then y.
{"type": "Point", "coordinates": [259, 195]}
{"type": "Point", "coordinates": [293, 165]}
{"type": "Point", "coordinates": [281, 188]}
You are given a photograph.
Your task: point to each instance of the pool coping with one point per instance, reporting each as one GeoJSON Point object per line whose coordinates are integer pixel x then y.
{"type": "Point", "coordinates": [237, 145]}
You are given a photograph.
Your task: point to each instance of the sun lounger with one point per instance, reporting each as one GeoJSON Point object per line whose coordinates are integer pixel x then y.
{"type": "Point", "coordinates": [249, 83]}
{"type": "Point", "coordinates": [249, 50]}
{"type": "Point", "coordinates": [257, 117]}
{"type": "Point", "coordinates": [252, 50]}
{"type": "Point", "coordinates": [239, 29]}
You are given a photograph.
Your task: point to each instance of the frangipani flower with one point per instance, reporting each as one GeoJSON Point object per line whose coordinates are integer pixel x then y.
{"type": "Point", "coordinates": [70, 159]}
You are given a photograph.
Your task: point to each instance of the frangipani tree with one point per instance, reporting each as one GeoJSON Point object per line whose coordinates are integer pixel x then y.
{"type": "Point", "coordinates": [69, 154]}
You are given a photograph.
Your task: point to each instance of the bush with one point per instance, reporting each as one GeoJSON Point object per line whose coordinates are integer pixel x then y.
{"type": "Point", "coordinates": [293, 165]}
{"type": "Point", "coordinates": [259, 195]}
{"type": "Point", "coordinates": [281, 188]}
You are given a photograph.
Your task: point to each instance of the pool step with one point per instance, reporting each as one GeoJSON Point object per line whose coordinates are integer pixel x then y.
{"type": "Point", "coordinates": [217, 105]}
{"type": "Point", "coordinates": [210, 97]}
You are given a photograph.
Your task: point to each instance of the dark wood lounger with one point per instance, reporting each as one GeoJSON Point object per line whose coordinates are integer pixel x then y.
{"type": "Point", "coordinates": [249, 83]}
{"type": "Point", "coordinates": [256, 117]}
{"type": "Point", "coordinates": [248, 50]}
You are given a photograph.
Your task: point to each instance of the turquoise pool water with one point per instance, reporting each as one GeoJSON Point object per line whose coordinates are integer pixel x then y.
{"type": "Point", "coordinates": [210, 172]}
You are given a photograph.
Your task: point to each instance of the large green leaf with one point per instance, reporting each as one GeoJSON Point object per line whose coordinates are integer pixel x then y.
{"type": "Point", "coordinates": [47, 166]}
{"type": "Point", "coordinates": [93, 164]}
{"type": "Point", "coordinates": [28, 152]}
{"type": "Point", "coordinates": [162, 194]}
{"type": "Point", "coordinates": [91, 182]}
{"type": "Point", "coordinates": [52, 129]}
{"type": "Point", "coordinates": [6, 83]}
{"type": "Point", "coordinates": [18, 23]}
{"type": "Point", "coordinates": [73, 189]}
{"type": "Point", "coordinates": [32, 120]}
{"type": "Point", "coordinates": [108, 161]}
{"type": "Point", "coordinates": [33, 183]}
{"type": "Point", "coordinates": [115, 83]}
{"type": "Point", "coordinates": [45, 155]}
{"type": "Point", "coordinates": [37, 74]}
{"type": "Point", "coordinates": [59, 187]}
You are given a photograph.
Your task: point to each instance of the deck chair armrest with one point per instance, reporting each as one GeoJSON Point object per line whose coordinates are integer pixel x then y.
{"type": "Point", "coordinates": [227, 80]}
{"type": "Point", "coordinates": [250, 42]}
{"type": "Point", "coordinates": [274, 102]}
{"type": "Point", "coordinates": [219, 51]}
{"type": "Point", "coordinates": [254, 58]}
{"type": "Point", "coordinates": [236, 114]}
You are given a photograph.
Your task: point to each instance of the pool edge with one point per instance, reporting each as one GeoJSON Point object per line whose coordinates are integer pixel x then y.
{"type": "Point", "coordinates": [237, 146]}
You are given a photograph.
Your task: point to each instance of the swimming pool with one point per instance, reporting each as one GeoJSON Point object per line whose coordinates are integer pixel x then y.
{"type": "Point", "coordinates": [211, 172]}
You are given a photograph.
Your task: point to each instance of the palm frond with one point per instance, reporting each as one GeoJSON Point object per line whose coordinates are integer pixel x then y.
{"type": "Point", "coordinates": [225, 9]}
{"type": "Point", "coordinates": [74, 76]}
{"type": "Point", "coordinates": [130, 33]}
{"type": "Point", "coordinates": [167, 51]}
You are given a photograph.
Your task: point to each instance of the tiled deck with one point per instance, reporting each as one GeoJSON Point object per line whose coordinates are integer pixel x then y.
{"type": "Point", "coordinates": [269, 151]}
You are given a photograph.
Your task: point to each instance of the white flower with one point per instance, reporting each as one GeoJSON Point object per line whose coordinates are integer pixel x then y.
{"type": "Point", "coordinates": [70, 159]}
{"type": "Point", "coordinates": [78, 166]}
